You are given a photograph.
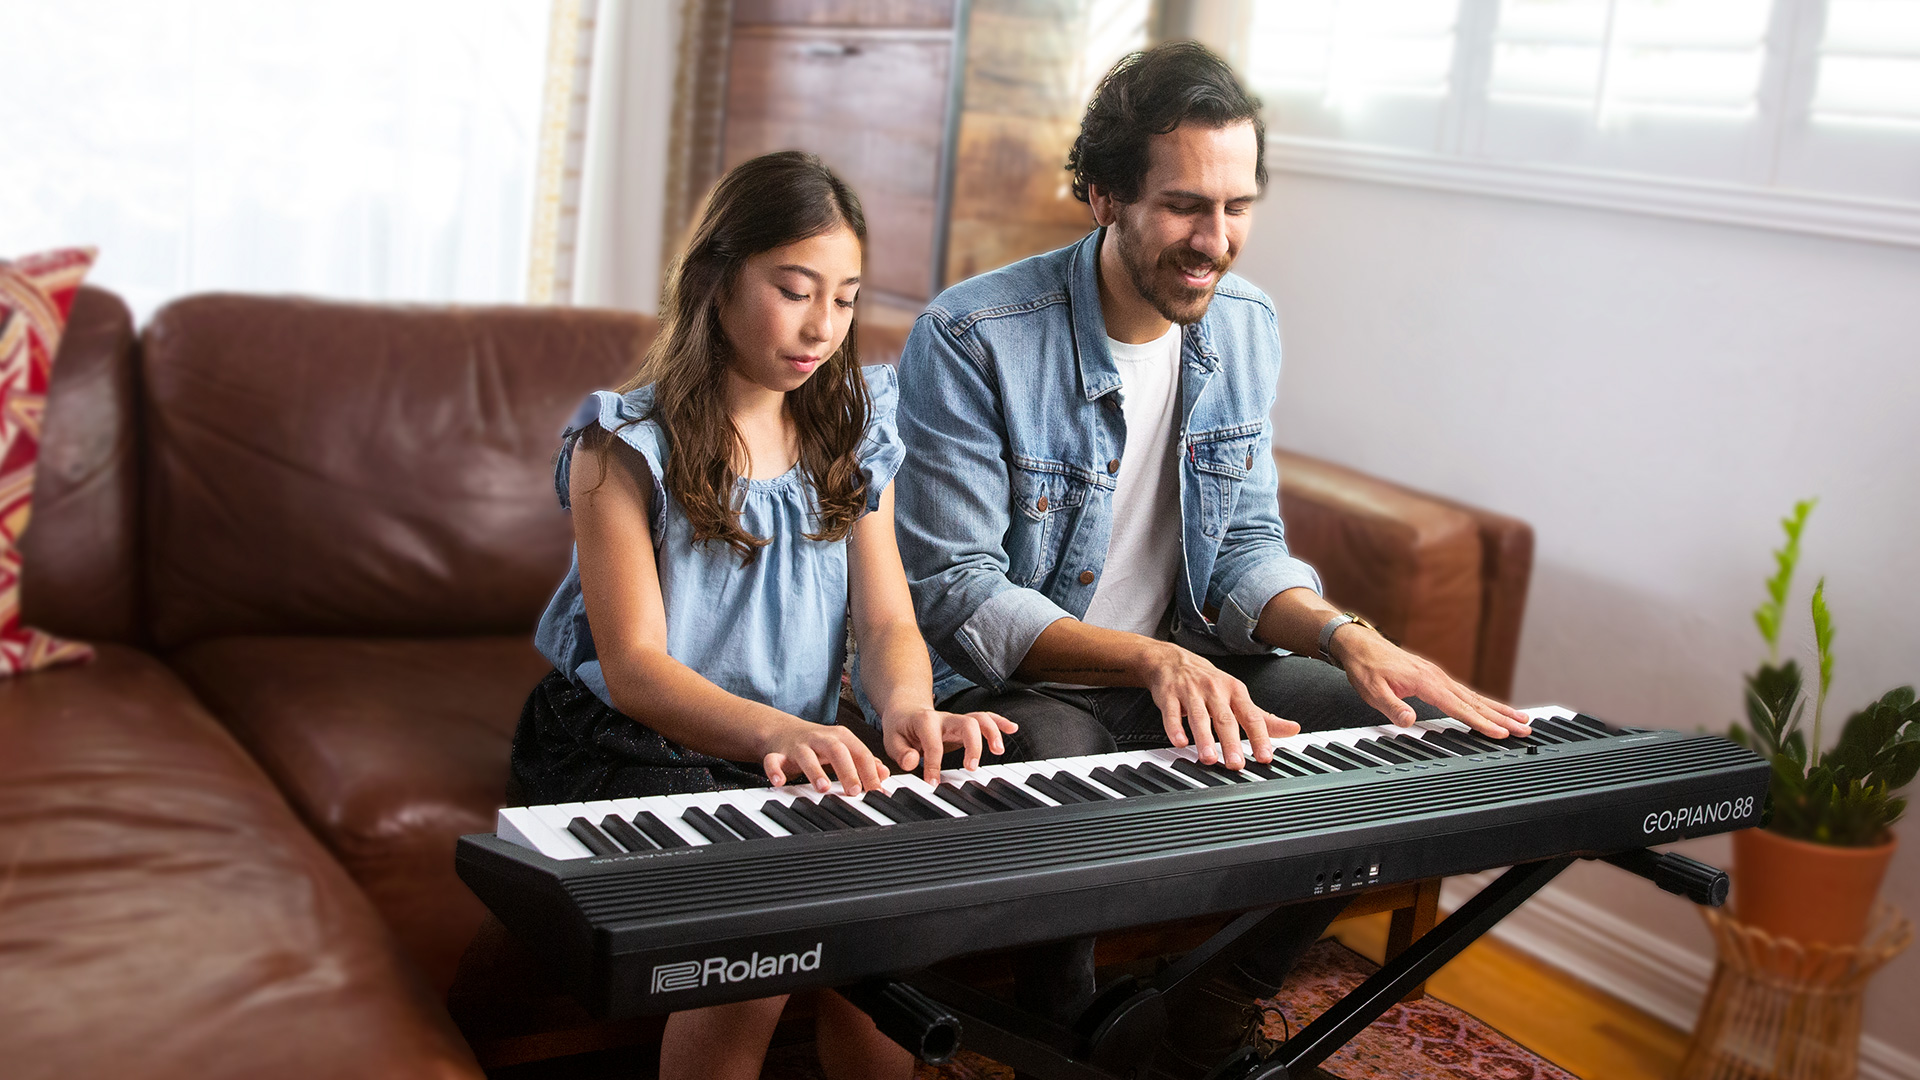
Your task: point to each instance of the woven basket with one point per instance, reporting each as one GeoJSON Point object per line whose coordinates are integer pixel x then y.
{"type": "Point", "coordinates": [1782, 1010]}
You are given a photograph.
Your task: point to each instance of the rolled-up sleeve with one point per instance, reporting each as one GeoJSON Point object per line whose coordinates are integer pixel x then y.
{"type": "Point", "coordinates": [952, 507]}
{"type": "Point", "coordinates": [1254, 565]}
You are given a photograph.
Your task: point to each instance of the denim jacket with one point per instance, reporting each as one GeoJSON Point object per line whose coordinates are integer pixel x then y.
{"type": "Point", "coordinates": [1010, 412]}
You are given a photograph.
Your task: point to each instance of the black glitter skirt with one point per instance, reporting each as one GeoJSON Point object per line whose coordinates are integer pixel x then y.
{"type": "Point", "coordinates": [572, 747]}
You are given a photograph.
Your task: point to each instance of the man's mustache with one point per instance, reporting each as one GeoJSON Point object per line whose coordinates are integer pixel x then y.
{"type": "Point", "coordinates": [1187, 260]}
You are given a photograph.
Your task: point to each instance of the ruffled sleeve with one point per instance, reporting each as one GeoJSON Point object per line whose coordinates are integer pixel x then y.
{"type": "Point", "coordinates": [622, 416]}
{"type": "Point", "coordinates": [881, 451]}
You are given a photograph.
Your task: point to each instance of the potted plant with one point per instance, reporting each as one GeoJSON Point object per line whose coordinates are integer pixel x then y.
{"type": "Point", "coordinates": [1811, 874]}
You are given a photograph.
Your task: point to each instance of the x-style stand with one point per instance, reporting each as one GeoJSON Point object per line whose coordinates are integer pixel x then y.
{"type": "Point", "coordinates": [1118, 1035]}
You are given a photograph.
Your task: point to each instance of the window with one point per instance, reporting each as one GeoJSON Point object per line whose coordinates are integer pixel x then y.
{"type": "Point", "coordinates": [354, 148]}
{"type": "Point", "coordinates": [1799, 113]}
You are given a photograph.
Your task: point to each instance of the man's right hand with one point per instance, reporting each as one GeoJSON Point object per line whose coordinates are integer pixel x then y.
{"type": "Point", "coordinates": [1194, 695]}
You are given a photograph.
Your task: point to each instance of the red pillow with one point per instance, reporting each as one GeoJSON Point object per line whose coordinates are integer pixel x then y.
{"type": "Point", "coordinates": [35, 295]}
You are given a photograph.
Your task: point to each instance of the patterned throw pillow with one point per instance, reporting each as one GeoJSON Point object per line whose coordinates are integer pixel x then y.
{"type": "Point", "coordinates": [35, 295]}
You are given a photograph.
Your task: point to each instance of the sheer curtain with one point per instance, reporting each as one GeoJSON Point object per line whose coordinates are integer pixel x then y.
{"type": "Point", "coordinates": [374, 150]}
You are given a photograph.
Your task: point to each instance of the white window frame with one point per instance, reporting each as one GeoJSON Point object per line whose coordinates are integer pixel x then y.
{"type": "Point", "coordinates": [1785, 96]}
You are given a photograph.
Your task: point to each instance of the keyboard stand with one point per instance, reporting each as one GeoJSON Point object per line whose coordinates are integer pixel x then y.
{"type": "Point", "coordinates": [1118, 1035]}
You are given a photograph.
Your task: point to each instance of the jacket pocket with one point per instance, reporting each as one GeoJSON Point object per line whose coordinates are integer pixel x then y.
{"type": "Point", "coordinates": [1221, 461]}
{"type": "Point", "coordinates": [1046, 502]}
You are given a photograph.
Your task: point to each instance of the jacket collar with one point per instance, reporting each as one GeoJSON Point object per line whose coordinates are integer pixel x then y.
{"type": "Point", "coordinates": [1098, 374]}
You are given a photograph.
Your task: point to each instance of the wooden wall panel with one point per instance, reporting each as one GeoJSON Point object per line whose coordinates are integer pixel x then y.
{"type": "Point", "coordinates": [872, 104]}
{"type": "Point", "coordinates": [1027, 81]}
{"type": "Point", "coordinates": [895, 13]}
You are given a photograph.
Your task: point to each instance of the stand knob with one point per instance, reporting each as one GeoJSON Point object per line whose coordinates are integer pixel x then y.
{"type": "Point", "coordinates": [1691, 878]}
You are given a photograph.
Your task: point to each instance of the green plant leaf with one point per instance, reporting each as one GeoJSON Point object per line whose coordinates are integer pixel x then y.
{"type": "Point", "coordinates": [1767, 616]}
{"type": "Point", "coordinates": [1823, 634]}
{"type": "Point", "coordinates": [1905, 764]}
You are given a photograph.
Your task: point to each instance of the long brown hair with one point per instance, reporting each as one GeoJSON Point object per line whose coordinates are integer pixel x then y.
{"type": "Point", "coordinates": [759, 205]}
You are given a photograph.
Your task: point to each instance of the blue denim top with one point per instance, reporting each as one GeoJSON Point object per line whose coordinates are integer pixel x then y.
{"type": "Point", "coordinates": [1009, 406]}
{"type": "Point", "coordinates": [773, 629]}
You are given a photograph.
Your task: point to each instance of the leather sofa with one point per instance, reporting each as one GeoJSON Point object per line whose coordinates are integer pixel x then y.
{"type": "Point", "coordinates": [309, 541]}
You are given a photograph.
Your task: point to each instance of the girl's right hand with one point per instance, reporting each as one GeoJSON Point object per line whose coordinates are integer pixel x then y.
{"type": "Point", "coordinates": [811, 749]}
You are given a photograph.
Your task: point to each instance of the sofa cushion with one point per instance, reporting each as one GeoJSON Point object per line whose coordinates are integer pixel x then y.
{"type": "Point", "coordinates": [81, 573]}
{"type": "Point", "coordinates": [390, 749]}
{"type": "Point", "coordinates": [332, 468]}
{"type": "Point", "coordinates": [162, 911]}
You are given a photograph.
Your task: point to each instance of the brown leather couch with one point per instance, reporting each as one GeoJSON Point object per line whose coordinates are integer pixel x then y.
{"type": "Point", "coordinates": [310, 541]}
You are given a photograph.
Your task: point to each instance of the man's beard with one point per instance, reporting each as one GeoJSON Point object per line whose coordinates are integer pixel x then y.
{"type": "Point", "coordinates": [1158, 279]}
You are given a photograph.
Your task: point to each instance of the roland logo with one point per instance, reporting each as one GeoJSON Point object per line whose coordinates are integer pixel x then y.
{"type": "Point", "coordinates": [1686, 817]}
{"type": "Point", "coordinates": [693, 974]}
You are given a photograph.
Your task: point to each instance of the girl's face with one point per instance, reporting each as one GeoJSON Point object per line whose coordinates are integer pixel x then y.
{"type": "Point", "coordinates": [791, 307]}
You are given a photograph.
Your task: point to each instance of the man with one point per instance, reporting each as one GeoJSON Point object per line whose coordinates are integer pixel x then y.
{"type": "Point", "coordinates": [1088, 512]}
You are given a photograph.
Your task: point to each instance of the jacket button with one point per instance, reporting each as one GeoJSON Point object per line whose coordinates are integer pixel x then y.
{"type": "Point", "coordinates": [1041, 505]}
{"type": "Point", "coordinates": [1086, 577]}
{"type": "Point", "coordinates": [1113, 466]}
{"type": "Point", "coordinates": [1249, 459]}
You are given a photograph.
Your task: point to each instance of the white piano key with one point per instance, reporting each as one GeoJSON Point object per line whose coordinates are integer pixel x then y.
{"type": "Point", "coordinates": [1018, 773]}
{"type": "Point", "coordinates": [558, 816]}
{"type": "Point", "coordinates": [753, 801]}
{"type": "Point", "coordinates": [522, 826]}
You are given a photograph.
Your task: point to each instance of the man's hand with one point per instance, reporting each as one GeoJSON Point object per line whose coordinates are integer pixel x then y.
{"type": "Point", "coordinates": [1194, 694]}
{"type": "Point", "coordinates": [1383, 673]}
{"type": "Point", "coordinates": [922, 736]}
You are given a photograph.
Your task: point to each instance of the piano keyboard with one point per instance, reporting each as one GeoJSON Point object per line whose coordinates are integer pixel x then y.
{"type": "Point", "coordinates": [611, 827]}
{"type": "Point", "coordinates": [651, 905]}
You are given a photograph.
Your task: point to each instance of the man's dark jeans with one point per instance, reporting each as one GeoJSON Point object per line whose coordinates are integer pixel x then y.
{"type": "Point", "coordinates": [1056, 980]}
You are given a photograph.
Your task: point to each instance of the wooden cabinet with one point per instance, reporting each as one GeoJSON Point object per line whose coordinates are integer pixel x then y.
{"type": "Point", "coordinates": [869, 86]}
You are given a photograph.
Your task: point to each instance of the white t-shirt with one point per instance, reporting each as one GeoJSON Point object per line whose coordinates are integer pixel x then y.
{"type": "Point", "coordinates": [1143, 551]}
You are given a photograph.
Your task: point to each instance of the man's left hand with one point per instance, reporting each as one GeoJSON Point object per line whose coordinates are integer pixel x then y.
{"type": "Point", "coordinates": [1384, 674]}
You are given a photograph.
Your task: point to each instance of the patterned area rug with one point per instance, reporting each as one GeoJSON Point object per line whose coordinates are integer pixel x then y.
{"type": "Point", "coordinates": [1425, 1040]}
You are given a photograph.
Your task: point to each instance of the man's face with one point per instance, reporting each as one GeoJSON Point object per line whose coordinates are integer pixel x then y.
{"type": "Point", "coordinates": [1193, 213]}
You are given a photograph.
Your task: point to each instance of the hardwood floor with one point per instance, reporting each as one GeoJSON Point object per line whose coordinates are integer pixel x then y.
{"type": "Point", "coordinates": [1580, 1029]}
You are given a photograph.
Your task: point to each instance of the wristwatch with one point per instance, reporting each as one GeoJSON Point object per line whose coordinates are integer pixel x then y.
{"type": "Point", "coordinates": [1335, 623]}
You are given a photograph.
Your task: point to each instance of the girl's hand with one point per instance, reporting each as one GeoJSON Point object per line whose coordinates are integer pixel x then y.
{"type": "Point", "coordinates": [810, 749]}
{"type": "Point", "coordinates": [921, 737]}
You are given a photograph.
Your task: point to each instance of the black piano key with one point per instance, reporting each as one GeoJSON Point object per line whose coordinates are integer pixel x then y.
{"type": "Point", "coordinates": [1081, 787]}
{"type": "Point", "coordinates": [1347, 753]}
{"type": "Point", "coordinates": [1300, 763]}
{"type": "Point", "coordinates": [884, 803]}
{"type": "Point", "coordinates": [1250, 770]}
{"type": "Point", "coordinates": [597, 842]}
{"type": "Point", "coordinates": [850, 817]}
{"type": "Point", "coordinates": [1319, 753]}
{"type": "Point", "coordinates": [960, 800]}
{"type": "Point", "coordinates": [657, 830]}
{"type": "Point", "coordinates": [1416, 748]}
{"type": "Point", "coordinates": [628, 837]}
{"type": "Point", "coordinates": [1146, 780]}
{"type": "Point", "coordinates": [1199, 774]}
{"type": "Point", "coordinates": [787, 819]}
{"type": "Point", "coordinates": [809, 811]}
{"type": "Point", "coordinates": [1123, 784]}
{"type": "Point", "coordinates": [1010, 792]}
{"type": "Point", "coordinates": [978, 792]}
{"type": "Point", "coordinates": [741, 823]}
{"type": "Point", "coordinates": [914, 802]}
{"type": "Point", "coordinates": [1590, 725]}
{"type": "Point", "coordinates": [1543, 735]}
{"type": "Point", "coordinates": [1451, 740]}
{"type": "Point", "coordinates": [1161, 773]}
{"type": "Point", "coordinates": [704, 824]}
{"type": "Point", "coordinates": [1491, 744]}
{"type": "Point", "coordinates": [1380, 754]}
{"type": "Point", "coordinates": [1059, 793]}
{"type": "Point", "coordinates": [1569, 732]}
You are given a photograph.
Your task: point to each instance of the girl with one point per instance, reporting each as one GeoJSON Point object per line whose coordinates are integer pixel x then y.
{"type": "Point", "coordinates": [730, 507]}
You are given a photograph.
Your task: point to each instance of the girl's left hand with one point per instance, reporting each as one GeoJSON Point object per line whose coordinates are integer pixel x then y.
{"type": "Point", "coordinates": [921, 738]}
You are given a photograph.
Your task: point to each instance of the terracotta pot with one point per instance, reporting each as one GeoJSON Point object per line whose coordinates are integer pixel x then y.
{"type": "Point", "coordinates": [1812, 893]}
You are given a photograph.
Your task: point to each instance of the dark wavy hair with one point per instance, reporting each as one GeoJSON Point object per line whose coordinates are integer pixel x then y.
{"type": "Point", "coordinates": [1151, 93]}
{"type": "Point", "coordinates": [768, 202]}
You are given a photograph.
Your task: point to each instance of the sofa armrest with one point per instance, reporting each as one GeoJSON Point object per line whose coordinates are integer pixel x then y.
{"type": "Point", "coordinates": [1442, 579]}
